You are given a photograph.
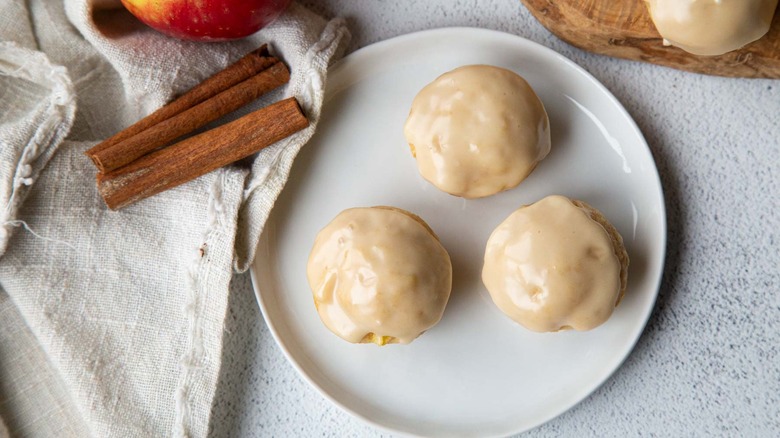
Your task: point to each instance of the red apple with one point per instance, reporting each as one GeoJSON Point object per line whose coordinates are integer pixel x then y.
{"type": "Point", "coordinates": [207, 20]}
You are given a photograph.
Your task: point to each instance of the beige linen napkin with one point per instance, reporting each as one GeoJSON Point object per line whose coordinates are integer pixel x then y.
{"type": "Point", "coordinates": [111, 322]}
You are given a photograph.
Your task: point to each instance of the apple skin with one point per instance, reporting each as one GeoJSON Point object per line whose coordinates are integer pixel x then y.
{"type": "Point", "coordinates": [207, 20]}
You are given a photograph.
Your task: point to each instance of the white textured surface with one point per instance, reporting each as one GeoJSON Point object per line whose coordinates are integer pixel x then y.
{"type": "Point", "coordinates": [708, 363]}
{"type": "Point", "coordinates": [114, 319]}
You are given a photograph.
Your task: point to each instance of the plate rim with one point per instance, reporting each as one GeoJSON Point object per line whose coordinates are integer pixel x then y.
{"type": "Point", "coordinates": [379, 46]}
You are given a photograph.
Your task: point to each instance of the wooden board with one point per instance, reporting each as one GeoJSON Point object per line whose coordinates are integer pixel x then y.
{"type": "Point", "coordinates": [624, 29]}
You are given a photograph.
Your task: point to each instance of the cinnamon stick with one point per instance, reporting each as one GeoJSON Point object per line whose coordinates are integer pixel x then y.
{"type": "Point", "coordinates": [246, 67]}
{"type": "Point", "coordinates": [156, 136]}
{"type": "Point", "coordinates": [200, 154]}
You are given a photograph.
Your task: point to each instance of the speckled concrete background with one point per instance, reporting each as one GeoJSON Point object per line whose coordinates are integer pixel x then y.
{"type": "Point", "coordinates": [708, 362]}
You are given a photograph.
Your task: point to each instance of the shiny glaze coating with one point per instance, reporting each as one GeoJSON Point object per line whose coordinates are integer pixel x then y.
{"type": "Point", "coordinates": [477, 130]}
{"type": "Point", "coordinates": [711, 27]}
{"type": "Point", "coordinates": [379, 275]}
{"type": "Point", "coordinates": [552, 265]}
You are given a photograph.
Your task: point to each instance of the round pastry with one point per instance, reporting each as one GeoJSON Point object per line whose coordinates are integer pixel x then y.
{"type": "Point", "coordinates": [379, 275]}
{"type": "Point", "coordinates": [477, 130]}
{"type": "Point", "coordinates": [556, 264]}
{"type": "Point", "coordinates": [711, 27]}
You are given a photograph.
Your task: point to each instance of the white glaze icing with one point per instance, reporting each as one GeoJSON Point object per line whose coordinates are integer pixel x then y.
{"type": "Point", "coordinates": [549, 266]}
{"type": "Point", "coordinates": [477, 130]}
{"type": "Point", "coordinates": [711, 27]}
{"type": "Point", "coordinates": [379, 271]}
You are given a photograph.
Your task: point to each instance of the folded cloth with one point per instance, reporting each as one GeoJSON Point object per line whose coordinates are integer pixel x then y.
{"type": "Point", "coordinates": [114, 319]}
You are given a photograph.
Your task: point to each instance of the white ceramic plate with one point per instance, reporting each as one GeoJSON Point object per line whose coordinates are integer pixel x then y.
{"type": "Point", "coordinates": [476, 373]}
